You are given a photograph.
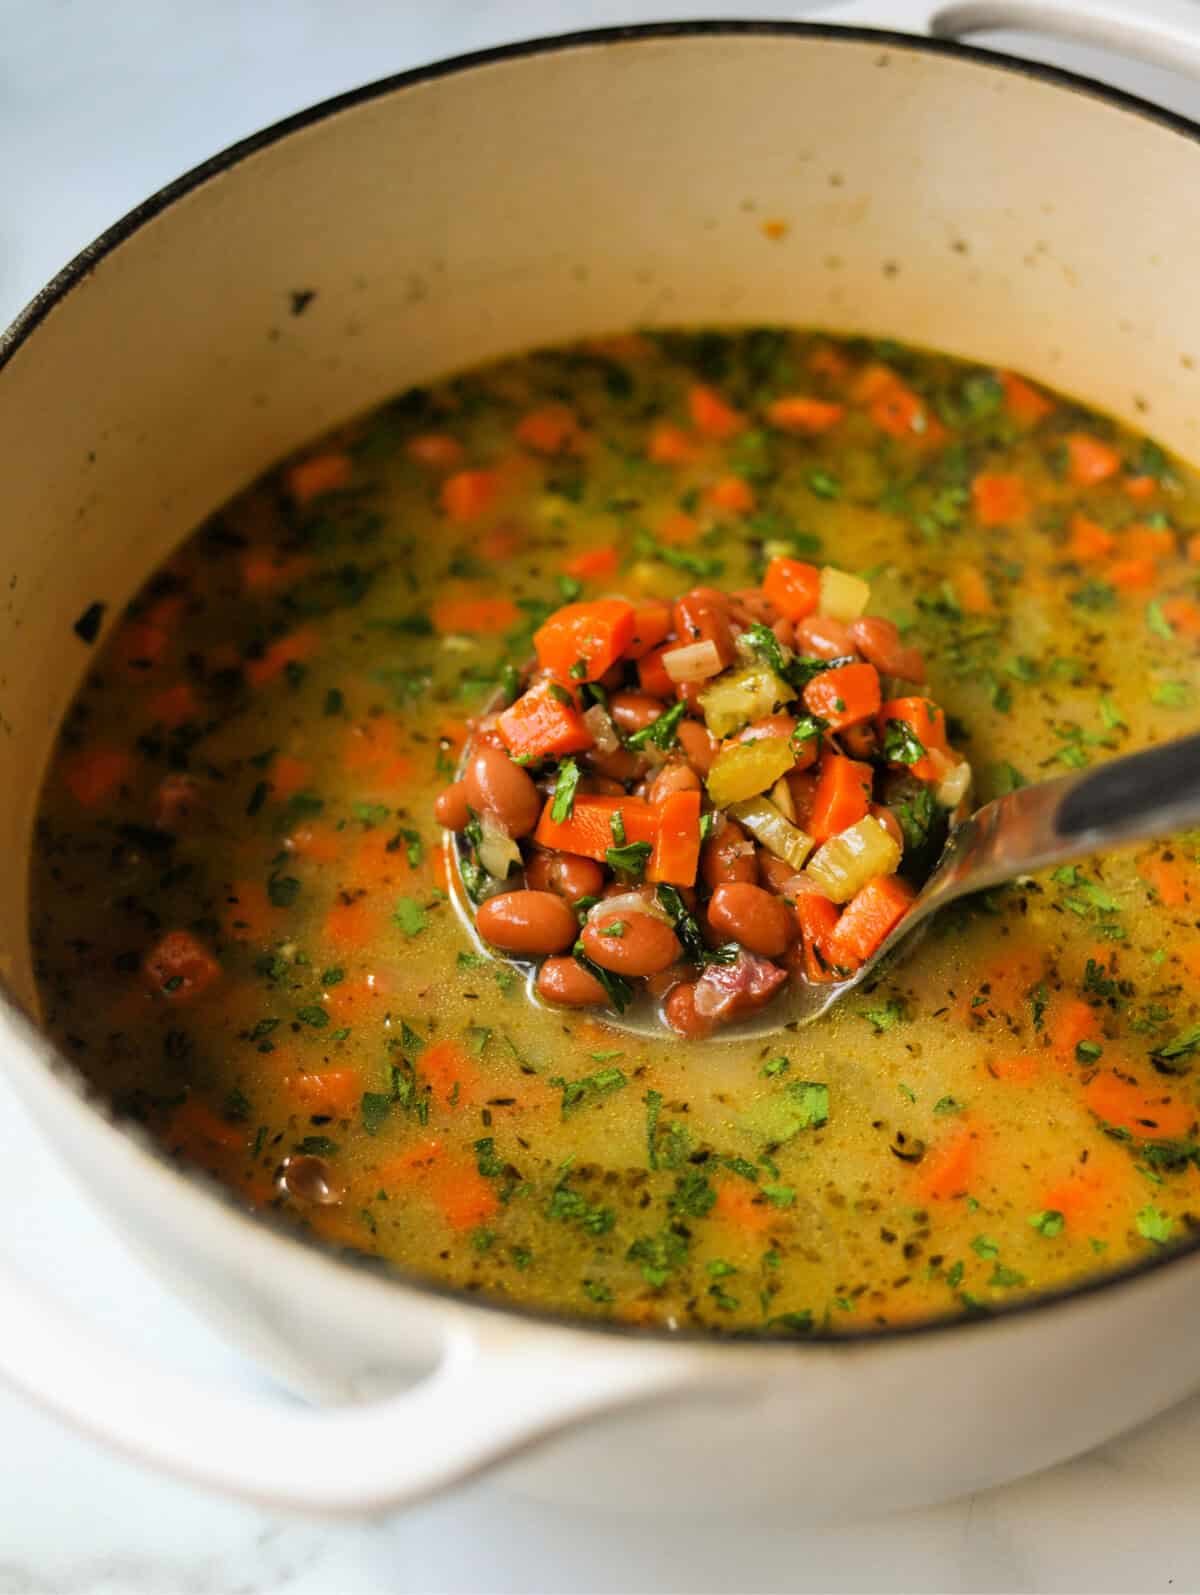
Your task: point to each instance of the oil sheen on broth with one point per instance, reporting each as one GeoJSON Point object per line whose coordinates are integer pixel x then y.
{"type": "Point", "coordinates": [241, 918]}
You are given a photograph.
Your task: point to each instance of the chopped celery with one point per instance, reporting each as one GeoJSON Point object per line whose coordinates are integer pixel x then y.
{"type": "Point", "coordinates": [740, 696]}
{"type": "Point", "coordinates": [844, 597]}
{"type": "Point", "coordinates": [774, 830]}
{"type": "Point", "coordinates": [846, 862]}
{"type": "Point", "coordinates": [745, 769]}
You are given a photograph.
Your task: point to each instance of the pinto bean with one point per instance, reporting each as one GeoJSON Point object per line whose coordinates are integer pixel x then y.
{"type": "Point", "coordinates": [703, 614]}
{"type": "Point", "coordinates": [495, 785]}
{"type": "Point", "coordinates": [880, 643]}
{"type": "Point", "coordinates": [749, 915]}
{"type": "Point", "coordinates": [860, 741]}
{"type": "Point", "coordinates": [773, 873]}
{"type": "Point", "coordinates": [771, 725]}
{"type": "Point", "coordinates": [698, 744]}
{"type": "Point", "coordinates": [890, 823]}
{"type": "Point", "coordinates": [601, 786]}
{"type": "Point", "coordinates": [785, 632]}
{"type": "Point", "coordinates": [451, 806]}
{"type": "Point", "coordinates": [643, 947]}
{"type": "Point", "coordinates": [673, 777]}
{"type": "Point", "coordinates": [633, 711]}
{"type": "Point", "coordinates": [728, 856]}
{"type": "Point", "coordinates": [567, 874]}
{"type": "Point", "coordinates": [620, 765]}
{"type": "Point", "coordinates": [749, 604]}
{"type": "Point", "coordinates": [679, 1011]}
{"type": "Point", "coordinates": [823, 637]}
{"type": "Point", "coordinates": [527, 923]}
{"type": "Point", "coordinates": [568, 984]}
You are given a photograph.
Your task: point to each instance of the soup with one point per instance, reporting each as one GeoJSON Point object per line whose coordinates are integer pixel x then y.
{"type": "Point", "coordinates": [250, 930]}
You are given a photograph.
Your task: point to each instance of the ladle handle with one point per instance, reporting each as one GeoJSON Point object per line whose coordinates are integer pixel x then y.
{"type": "Point", "coordinates": [1146, 794]}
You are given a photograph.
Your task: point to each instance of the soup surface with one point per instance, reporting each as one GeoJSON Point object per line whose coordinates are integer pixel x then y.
{"type": "Point", "coordinates": [247, 922]}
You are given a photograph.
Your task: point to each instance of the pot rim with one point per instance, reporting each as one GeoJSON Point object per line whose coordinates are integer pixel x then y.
{"type": "Point", "coordinates": [266, 1224]}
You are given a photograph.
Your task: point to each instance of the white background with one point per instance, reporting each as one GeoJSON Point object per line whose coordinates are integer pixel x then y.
{"type": "Point", "coordinates": [101, 101]}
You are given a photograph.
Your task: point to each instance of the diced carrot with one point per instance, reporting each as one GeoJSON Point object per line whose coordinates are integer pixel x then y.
{"type": "Point", "coordinates": [793, 586]}
{"type": "Point", "coordinates": [1132, 575]}
{"type": "Point", "coordinates": [1193, 548]}
{"type": "Point", "coordinates": [1089, 540]}
{"type": "Point", "coordinates": [588, 830]}
{"type": "Point", "coordinates": [195, 1129]}
{"type": "Point", "coordinates": [180, 967]}
{"type": "Point", "coordinates": [732, 493]}
{"type": "Point", "coordinates": [540, 725]}
{"type": "Point", "coordinates": [483, 616]}
{"type": "Point", "coordinates": [139, 646]}
{"type": "Point", "coordinates": [678, 527]}
{"type": "Point", "coordinates": [817, 918]}
{"type": "Point", "coordinates": [1183, 614]}
{"type": "Point", "coordinates": [323, 473]}
{"type": "Point", "coordinates": [468, 494]}
{"type": "Point", "coordinates": [619, 346]}
{"type": "Point", "coordinates": [999, 498]}
{"type": "Point", "coordinates": [335, 1091]}
{"type": "Point", "coordinates": [895, 408]}
{"type": "Point", "coordinates": [380, 861]}
{"type": "Point", "coordinates": [372, 755]}
{"type": "Point", "coordinates": [1167, 878]}
{"type": "Point", "coordinates": [554, 429]}
{"type": "Point", "coordinates": [1140, 488]}
{"type": "Point", "coordinates": [651, 623]}
{"type": "Point", "coordinates": [711, 415]}
{"type": "Point", "coordinates": [288, 776]}
{"type": "Point", "coordinates": [1152, 1113]}
{"type": "Point", "coordinates": [592, 563]}
{"type": "Point", "coordinates": [652, 673]}
{"type": "Point", "coordinates": [949, 1167]}
{"type": "Point", "coordinates": [464, 1197]}
{"type": "Point", "coordinates": [796, 412]}
{"type": "Point", "coordinates": [671, 445]}
{"type": "Point", "coordinates": [845, 696]}
{"type": "Point", "coordinates": [1089, 461]}
{"type": "Point", "coordinates": [173, 706]}
{"type": "Point", "coordinates": [167, 612]}
{"type": "Point", "coordinates": [828, 361]}
{"type": "Point", "coordinates": [736, 1206]}
{"type": "Point", "coordinates": [867, 920]}
{"type": "Point", "coordinates": [351, 925]}
{"type": "Point", "coordinates": [1023, 401]}
{"type": "Point", "coordinates": [1189, 957]}
{"type": "Point", "coordinates": [677, 846]}
{"type": "Point", "coordinates": [1083, 1194]}
{"type": "Point", "coordinates": [438, 450]}
{"type": "Point", "coordinates": [928, 723]}
{"type": "Point", "coordinates": [842, 796]}
{"type": "Point", "coordinates": [450, 1074]}
{"type": "Point", "coordinates": [974, 595]}
{"type": "Point", "coordinates": [264, 571]}
{"type": "Point", "coordinates": [593, 634]}
{"type": "Point", "coordinates": [500, 543]}
{"type": "Point", "coordinates": [1070, 1021]}
{"type": "Point", "coordinates": [1020, 1067]}
{"type": "Point", "coordinates": [412, 1163]}
{"type": "Point", "coordinates": [95, 775]}
{"type": "Point", "coordinates": [321, 844]}
{"type": "Point", "coordinates": [1148, 542]}
{"type": "Point", "coordinates": [249, 915]}
{"type": "Point", "coordinates": [293, 649]}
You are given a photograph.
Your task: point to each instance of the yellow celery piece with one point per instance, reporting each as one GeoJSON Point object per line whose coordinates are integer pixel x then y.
{"type": "Point", "coordinates": [740, 696]}
{"type": "Point", "coordinates": [768, 825]}
{"type": "Point", "coordinates": [745, 769]}
{"type": "Point", "coordinates": [845, 863]}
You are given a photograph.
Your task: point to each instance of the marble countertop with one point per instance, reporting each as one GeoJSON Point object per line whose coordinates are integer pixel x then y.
{"type": "Point", "coordinates": [99, 105]}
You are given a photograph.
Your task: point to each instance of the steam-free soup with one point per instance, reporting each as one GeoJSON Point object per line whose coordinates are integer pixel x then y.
{"type": "Point", "coordinates": [252, 932]}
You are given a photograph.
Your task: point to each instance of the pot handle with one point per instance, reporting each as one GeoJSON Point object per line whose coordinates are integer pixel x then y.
{"type": "Point", "coordinates": [494, 1390]}
{"type": "Point", "coordinates": [1163, 33]}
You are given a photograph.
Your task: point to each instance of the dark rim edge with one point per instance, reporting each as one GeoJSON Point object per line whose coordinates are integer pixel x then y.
{"type": "Point", "coordinates": [77, 270]}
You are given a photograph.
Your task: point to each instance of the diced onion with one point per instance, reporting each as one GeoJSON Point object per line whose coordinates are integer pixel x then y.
{"type": "Point", "coordinates": [604, 733]}
{"type": "Point", "coordinates": [842, 596]}
{"type": "Point", "coordinates": [695, 661]}
{"type": "Point", "coordinates": [630, 903]}
{"type": "Point", "coordinates": [777, 834]}
{"type": "Point", "coordinates": [744, 769]}
{"type": "Point", "coordinates": [741, 696]}
{"type": "Point", "coordinates": [781, 796]}
{"type": "Point", "coordinates": [497, 850]}
{"type": "Point", "coordinates": [845, 863]}
{"type": "Point", "coordinates": [952, 788]}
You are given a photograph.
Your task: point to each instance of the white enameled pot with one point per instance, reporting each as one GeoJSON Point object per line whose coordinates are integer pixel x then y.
{"type": "Point", "coordinates": [932, 193]}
